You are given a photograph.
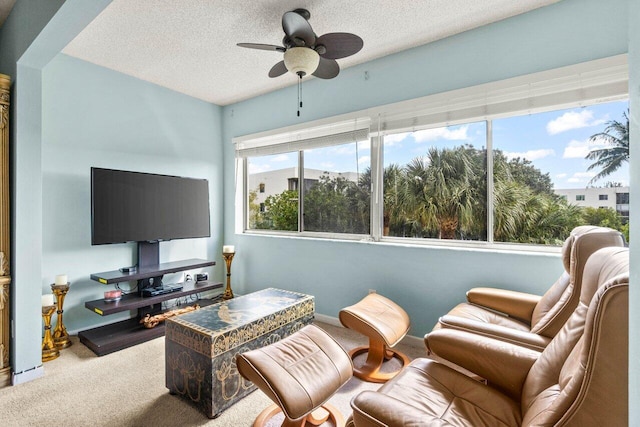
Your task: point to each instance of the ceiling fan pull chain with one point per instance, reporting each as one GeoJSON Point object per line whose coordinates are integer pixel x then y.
{"type": "Point", "coordinates": [299, 93]}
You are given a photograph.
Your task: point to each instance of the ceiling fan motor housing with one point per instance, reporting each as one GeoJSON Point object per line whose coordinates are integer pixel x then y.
{"type": "Point", "coordinates": [301, 60]}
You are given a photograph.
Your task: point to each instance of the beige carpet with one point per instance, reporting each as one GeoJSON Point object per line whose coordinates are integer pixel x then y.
{"type": "Point", "coordinates": [127, 388]}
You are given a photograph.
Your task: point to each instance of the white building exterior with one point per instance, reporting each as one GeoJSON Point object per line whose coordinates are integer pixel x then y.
{"type": "Point", "coordinates": [274, 182]}
{"type": "Point", "coordinates": [606, 197]}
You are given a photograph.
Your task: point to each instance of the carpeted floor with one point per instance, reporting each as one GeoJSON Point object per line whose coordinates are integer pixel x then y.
{"type": "Point", "coordinates": [127, 388]}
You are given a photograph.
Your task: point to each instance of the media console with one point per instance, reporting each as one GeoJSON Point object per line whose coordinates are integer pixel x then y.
{"type": "Point", "coordinates": [119, 335]}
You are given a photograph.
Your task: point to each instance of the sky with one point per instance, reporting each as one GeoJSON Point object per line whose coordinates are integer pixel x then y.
{"type": "Point", "coordinates": [556, 142]}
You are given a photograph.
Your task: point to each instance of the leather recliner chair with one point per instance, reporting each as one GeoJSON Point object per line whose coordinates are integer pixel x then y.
{"type": "Point", "coordinates": [526, 319]}
{"type": "Point", "coordinates": [580, 379]}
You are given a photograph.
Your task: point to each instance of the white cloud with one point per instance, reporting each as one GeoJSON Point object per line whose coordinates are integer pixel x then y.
{"type": "Point", "coordinates": [343, 149]}
{"type": "Point", "coordinates": [531, 154]}
{"type": "Point", "coordinates": [394, 138]}
{"type": "Point", "coordinates": [364, 145]}
{"type": "Point", "coordinates": [561, 175]}
{"type": "Point", "coordinates": [451, 134]}
{"type": "Point", "coordinates": [579, 149]}
{"type": "Point", "coordinates": [572, 120]}
{"type": "Point", "coordinates": [364, 159]}
{"type": "Point", "coordinates": [581, 177]}
{"type": "Point", "coordinates": [281, 158]}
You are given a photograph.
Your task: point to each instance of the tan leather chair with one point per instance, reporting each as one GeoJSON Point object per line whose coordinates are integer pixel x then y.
{"type": "Point", "coordinates": [580, 379]}
{"type": "Point", "coordinates": [532, 320]}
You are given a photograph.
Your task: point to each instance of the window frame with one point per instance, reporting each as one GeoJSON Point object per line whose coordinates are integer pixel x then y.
{"type": "Point", "coordinates": [589, 83]}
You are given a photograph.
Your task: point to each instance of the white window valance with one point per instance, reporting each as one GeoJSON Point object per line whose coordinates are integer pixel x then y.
{"type": "Point", "coordinates": [343, 132]}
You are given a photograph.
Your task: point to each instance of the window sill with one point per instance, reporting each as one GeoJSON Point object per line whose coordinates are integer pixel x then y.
{"type": "Point", "coordinates": [470, 246]}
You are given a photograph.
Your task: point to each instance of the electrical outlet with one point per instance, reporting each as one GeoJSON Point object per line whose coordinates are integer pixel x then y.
{"type": "Point", "coordinates": [372, 291]}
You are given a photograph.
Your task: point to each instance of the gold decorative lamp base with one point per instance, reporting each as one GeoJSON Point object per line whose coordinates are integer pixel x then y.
{"type": "Point", "coordinates": [60, 335]}
{"type": "Point", "coordinates": [228, 258]}
{"type": "Point", "coordinates": [49, 350]}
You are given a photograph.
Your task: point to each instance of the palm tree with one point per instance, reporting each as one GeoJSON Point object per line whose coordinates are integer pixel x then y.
{"type": "Point", "coordinates": [610, 158]}
{"type": "Point", "coordinates": [441, 191]}
{"type": "Point", "coordinates": [393, 210]}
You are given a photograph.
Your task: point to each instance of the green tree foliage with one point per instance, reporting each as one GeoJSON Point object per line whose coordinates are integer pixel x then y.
{"type": "Point", "coordinates": [524, 172]}
{"type": "Point", "coordinates": [281, 212]}
{"type": "Point", "coordinates": [337, 205]}
{"type": "Point", "coordinates": [603, 217]}
{"type": "Point", "coordinates": [441, 195]}
{"type": "Point", "coordinates": [610, 158]}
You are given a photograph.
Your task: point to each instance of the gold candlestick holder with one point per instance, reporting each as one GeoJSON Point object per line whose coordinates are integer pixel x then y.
{"type": "Point", "coordinates": [228, 257]}
{"type": "Point", "coordinates": [49, 350]}
{"type": "Point", "coordinates": [60, 334]}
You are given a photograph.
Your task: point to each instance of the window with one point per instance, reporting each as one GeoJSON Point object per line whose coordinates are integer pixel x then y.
{"type": "Point", "coordinates": [335, 169]}
{"type": "Point", "coordinates": [622, 198]}
{"type": "Point", "coordinates": [506, 162]}
{"type": "Point", "coordinates": [434, 183]}
{"type": "Point", "coordinates": [276, 209]}
{"type": "Point", "coordinates": [337, 191]}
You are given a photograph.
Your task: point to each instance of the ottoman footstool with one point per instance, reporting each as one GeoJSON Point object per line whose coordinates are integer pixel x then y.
{"type": "Point", "coordinates": [385, 323]}
{"type": "Point", "coordinates": [299, 373]}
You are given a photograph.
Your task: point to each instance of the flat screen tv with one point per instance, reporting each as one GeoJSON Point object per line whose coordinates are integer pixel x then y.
{"type": "Point", "coordinates": [143, 207]}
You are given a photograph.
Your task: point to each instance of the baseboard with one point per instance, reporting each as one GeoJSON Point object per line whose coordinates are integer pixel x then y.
{"type": "Point", "coordinates": [334, 321]}
{"type": "Point", "coordinates": [28, 375]}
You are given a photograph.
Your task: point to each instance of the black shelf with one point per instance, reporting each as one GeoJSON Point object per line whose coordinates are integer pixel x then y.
{"type": "Point", "coordinates": [124, 334]}
{"type": "Point", "coordinates": [119, 335]}
{"type": "Point", "coordinates": [117, 276]}
{"type": "Point", "coordinates": [134, 301]}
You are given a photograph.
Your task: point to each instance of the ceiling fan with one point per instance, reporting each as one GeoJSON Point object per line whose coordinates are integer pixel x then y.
{"type": "Point", "coordinates": [304, 52]}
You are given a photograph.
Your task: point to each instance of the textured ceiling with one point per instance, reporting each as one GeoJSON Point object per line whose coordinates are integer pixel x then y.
{"type": "Point", "coordinates": [190, 45]}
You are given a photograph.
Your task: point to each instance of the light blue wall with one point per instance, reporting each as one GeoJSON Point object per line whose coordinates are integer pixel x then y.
{"type": "Point", "coordinates": [23, 25]}
{"type": "Point", "coordinates": [70, 116]}
{"type": "Point", "coordinates": [93, 116]}
{"type": "Point", "coordinates": [425, 281]}
{"type": "Point", "coordinates": [26, 166]}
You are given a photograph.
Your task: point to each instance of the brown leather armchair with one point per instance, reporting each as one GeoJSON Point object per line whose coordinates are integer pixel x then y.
{"type": "Point", "coordinates": [526, 319]}
{"type": "Point", "coordinates": [580, 379]}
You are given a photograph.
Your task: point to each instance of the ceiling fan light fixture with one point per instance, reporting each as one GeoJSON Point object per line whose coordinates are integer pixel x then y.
{"type": "Point", "coordinates": [301, 60]}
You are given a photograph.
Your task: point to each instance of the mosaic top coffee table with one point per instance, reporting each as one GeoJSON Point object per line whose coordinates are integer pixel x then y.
{"type": "Point", "coordinates": [201, 346]}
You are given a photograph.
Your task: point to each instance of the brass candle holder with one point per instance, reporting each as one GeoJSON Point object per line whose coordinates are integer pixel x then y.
{"type": "Point", "coordinates": [60, 334]}
{"type": "Point", "coordinates": [49, 350]}
{"type": "Point", "coordinates": [228, 257]}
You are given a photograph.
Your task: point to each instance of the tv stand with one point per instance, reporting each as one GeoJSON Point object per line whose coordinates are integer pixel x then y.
{"type": "Point", "coordinates": [117, 336]}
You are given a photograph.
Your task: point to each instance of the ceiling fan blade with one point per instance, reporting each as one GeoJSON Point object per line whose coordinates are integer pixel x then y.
{"type": "Point", "coordinates": [262, 46]}
{"type": "Point", "coordinates": [298, 29]}
{"type": "Point", "coordinates": [278, 70]}
{"type": "Point", "coordinates": [327, 69]}
{"type": "Point", "coordinates": [339, 45]}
